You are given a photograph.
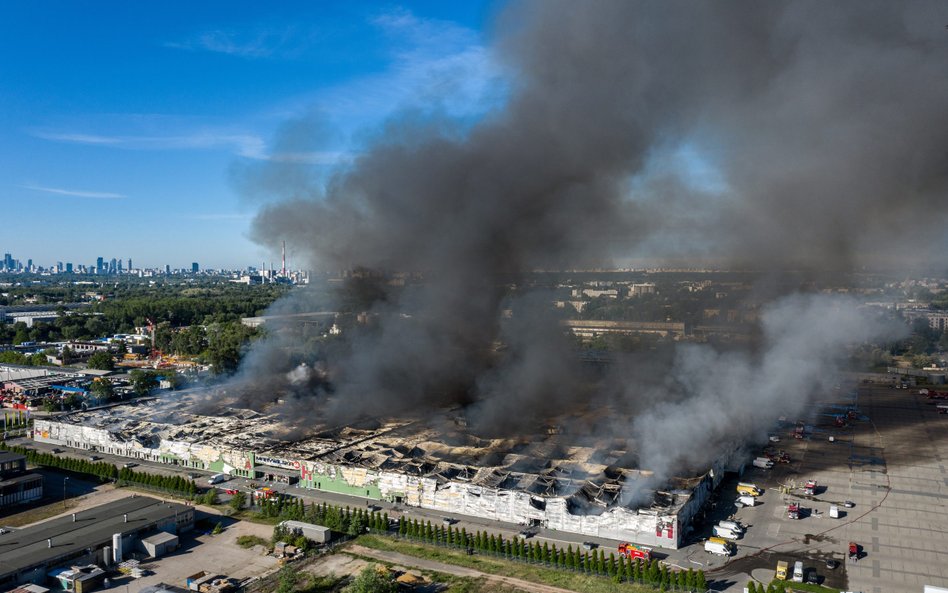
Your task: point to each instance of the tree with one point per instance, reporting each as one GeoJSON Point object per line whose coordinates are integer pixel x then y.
{"type": "Point", "coordinates": [66, 355]}
{"type": "Point", "coordinates": [357, 524]}
{"type": "Point", "coordinates": [143, 381]}
{"type": "Point", "coordinates": [102, 389]}
{"type": "Point", "coordinates": [287, 580]}
{"type": "Point", "coordinates": [238, 500]}
{"type": "Point", "coordinates": [700, 583]}
{"type": "Point", "coordinates": [210, 497]}
{"type": "Point", "coordinates": [371, 580]}
{"type": "Point", "coordinates": [101, 360]}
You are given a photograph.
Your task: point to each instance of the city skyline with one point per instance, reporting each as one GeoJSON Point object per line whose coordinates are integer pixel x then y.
{"type": "Point", "coordinates": [136, 127]}
{"type": "Point", "coordinates": [101, 265]}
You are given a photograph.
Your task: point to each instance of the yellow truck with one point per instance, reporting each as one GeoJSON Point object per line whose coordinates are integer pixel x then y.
{"type": "Point", "coordinates": [748, 489]}
{"type": "Point", "coordinates": [781, 570]}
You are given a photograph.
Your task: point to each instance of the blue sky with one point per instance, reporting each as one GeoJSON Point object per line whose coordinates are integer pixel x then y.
{"type": "Point", "coordinates": [124, 124]}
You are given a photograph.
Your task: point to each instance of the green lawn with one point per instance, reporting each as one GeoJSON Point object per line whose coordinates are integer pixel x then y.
{"type": "Point", "coordinates": [529, 572]}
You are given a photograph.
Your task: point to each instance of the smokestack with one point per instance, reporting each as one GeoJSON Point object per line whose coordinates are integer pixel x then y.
{"type": "Point", "coordinates": [283, 269]}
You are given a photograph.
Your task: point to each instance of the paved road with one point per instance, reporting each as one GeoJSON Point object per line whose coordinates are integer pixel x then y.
{"type": "Point", "coordinates": [423, 564]}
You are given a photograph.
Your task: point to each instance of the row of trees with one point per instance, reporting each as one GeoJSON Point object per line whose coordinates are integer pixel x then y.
{"type": "Point", "coordinates": [339, 519]}
{"type": "Point", "coordinates": [107, 471]}
{"type": "Point", "coordinates": [589, 562]}
{"type": "Point", "coordinates": [171, 484]}
{"type": "Point", "coordinates": [773, 587]}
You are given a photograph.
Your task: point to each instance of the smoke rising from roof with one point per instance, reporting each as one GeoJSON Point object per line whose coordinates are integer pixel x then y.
{"type": "Point", "coordinates": [825, 124]}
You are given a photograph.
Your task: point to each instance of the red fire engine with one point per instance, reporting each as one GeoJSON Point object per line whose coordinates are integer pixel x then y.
{"type": "Point", "coordinates": [793, 511]}
{"type": "Point", "coordinates": [633, 552]}
{"type": "Point", "coordinates": [810, 487]}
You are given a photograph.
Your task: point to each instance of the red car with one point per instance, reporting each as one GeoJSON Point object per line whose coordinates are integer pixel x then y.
{"type": "Point", "coordinates": [230, 491]}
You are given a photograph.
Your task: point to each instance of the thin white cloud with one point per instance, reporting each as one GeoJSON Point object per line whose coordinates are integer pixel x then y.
{"type": "Point", "coordinates": [77, 138]}
{"type": "Point", "coordinates": [434, 64]}
{"type": "Point", "coordinates": [247, 145]}
{"type": "Point", "coordinates": [219, 217]}
{"type": "Point", "coordinates": [97, 195]}
{"type": "Point", "coordinates": [261, 42]}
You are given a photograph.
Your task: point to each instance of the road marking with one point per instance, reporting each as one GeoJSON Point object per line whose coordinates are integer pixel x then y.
{"type": "Point", "coordinates": [875, 524]}
{"type": "Point", "coordinates": [875, 544]}
{"type": "Point", "coordinates": [875, 569]}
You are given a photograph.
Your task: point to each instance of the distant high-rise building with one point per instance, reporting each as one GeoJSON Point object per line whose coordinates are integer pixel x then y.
{"type": "Point", "coordinates": [99, 265]}
{"type": "Point", "coordinates": [113, 266]}
{"type": "Point", "coordinates": [68, 268]}
{"type": "Point", "coordinates": [195, 267]}
{"type": "Point", "coordinates": [129, 264]}
{"type": "Point", "coordinates": [59, 267]}
{"type": "Point", "coordinates": [120, 265]}
{"type": "Point", "coordinates": [167, 269]}
{"type": "Point", "coordinates": [8, 262]}
{"type": "Point", "coordinates": [29, 264]}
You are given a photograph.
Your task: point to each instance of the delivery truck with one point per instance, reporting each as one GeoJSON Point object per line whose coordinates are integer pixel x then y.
{"type": "Point", "coordinates": [748, 489]}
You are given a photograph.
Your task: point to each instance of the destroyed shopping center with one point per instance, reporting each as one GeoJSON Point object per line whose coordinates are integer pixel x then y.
{"type": "Point", "coordinates": [558, 481]}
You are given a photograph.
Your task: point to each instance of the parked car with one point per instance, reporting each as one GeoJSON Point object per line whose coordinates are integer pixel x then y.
{"type": "Point", "coordinates": [130, 464]}
{"type": "Point", "coordinates": [526, 534]}
{"type": "Point", "coordinates": [94, 458]}
{"type": "Point", "coordinates": [590, 545]}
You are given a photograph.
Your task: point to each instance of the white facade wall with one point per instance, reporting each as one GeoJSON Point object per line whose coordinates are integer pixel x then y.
{"type": "Point", "coordinates": [644, 526]}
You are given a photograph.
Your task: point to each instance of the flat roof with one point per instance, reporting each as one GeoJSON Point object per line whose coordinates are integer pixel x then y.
{"type": "Point", "coordinates": [27, 547]}
{"type": "Point", "coordinates": [6, 456]}
{"type": "Point", "coordinates": [18, 479]}
{"type": "Point", "coordinates": [160, 538]}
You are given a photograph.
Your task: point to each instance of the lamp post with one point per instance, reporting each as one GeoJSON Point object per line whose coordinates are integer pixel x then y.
{"type": "Point", "coordinates": [64, 492]}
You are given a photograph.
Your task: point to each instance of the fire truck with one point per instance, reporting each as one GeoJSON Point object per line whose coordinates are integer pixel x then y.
{"type": "Point", "coordinates": [633, 552]}
{"type": "Point", "coordinates": [810, 487]}
{"type": "Point", "coordinates": [793, 511]}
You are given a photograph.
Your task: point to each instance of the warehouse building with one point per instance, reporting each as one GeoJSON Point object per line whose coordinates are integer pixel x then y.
{"type": "Point", "coordinates": [101, 536]}
{"type": "Point", "coordinates": [557, 480]}
{"type": "Point", "coordinates": [16, 485]}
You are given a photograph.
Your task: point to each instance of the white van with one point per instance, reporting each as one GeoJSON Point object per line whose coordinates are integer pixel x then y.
{"type": "Point", "coordinates": [732, 525]}
{"type": "Point", "coordinates": [747, 501]}
{"type": "Point", "coordinates": [798, 571]}
{"type": "Point", "coordinates": [724, 532]}
{"type": "Point", "coordinates": [217, 479]}
{"type": "Point", "coordinates": [721, 548]}
{"type": "Point", "coordinates": [763, 463]}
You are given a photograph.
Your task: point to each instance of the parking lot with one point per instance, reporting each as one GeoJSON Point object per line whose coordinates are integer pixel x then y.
{"type": "Point", "coordinates": [888, 462]}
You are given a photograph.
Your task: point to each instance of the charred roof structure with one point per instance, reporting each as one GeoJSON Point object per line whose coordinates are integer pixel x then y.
{"type": "Point", "coordinates": [572, 482]}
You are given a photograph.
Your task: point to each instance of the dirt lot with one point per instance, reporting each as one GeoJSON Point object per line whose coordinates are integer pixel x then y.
{"type": "Point", "coordinates": [211, 553]}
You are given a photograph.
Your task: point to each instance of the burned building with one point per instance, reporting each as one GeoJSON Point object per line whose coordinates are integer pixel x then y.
{"type": "Point", "coordinates": [569, 482]}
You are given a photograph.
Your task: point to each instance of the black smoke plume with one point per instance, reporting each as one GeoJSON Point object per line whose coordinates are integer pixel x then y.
{"type": "Point", "coordinates": [825, 124]}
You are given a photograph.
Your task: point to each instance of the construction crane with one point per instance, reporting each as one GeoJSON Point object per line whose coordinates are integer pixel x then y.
{"type": "Point", "coordinates": [151, 329]}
